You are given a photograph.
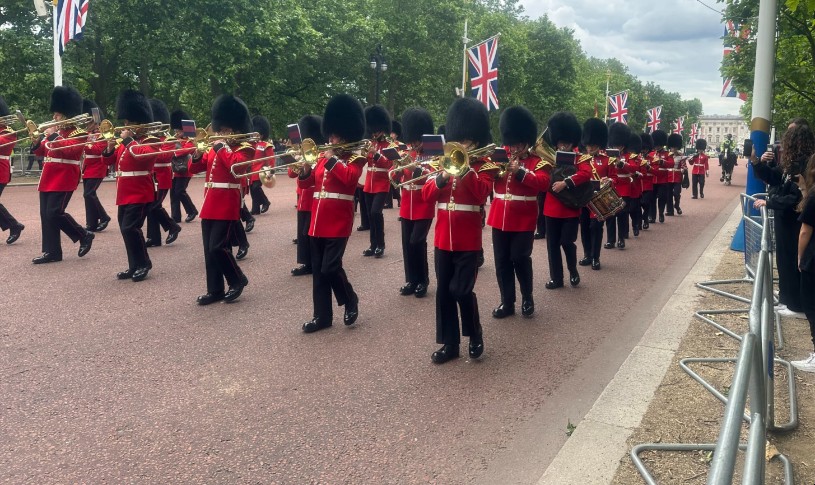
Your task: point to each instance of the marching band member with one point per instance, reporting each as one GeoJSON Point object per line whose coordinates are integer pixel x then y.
{"type": "Point", "coordinates": [260, 203]}
{"type": "Point", "coordinates": [222, 198]}
{"type": "Point", "coordinates": [635, 167]}
{"type": "Point", "coordinates": [94, 170]}
{"type": "Point", "coordinates": [562, 221]}
{"type": "Point", "coordinates": [181, 171]}
{"type": "Point", "coordinates": [662, 184]}
{"type": "Point", "coordinates": [310, 127]}
{"type": "Point", "coordinates": [514, 210]}
{"type": "Point", "coordinates": [648, 200]}
{"type": "Point", "coordinates": [394, 193]}
{"type": "Point", "coordinates": [7, 139]}
{"type": "Point", "coordinates": [676, 166]}
{"type": "Point", "coordinates": [458, 232]}
{"type": "Point", "coordinates": [620, 174]}
{"type": "Point", "coordinates": [416, 213]}
{"type": "Point", "coordinates": [63, 151]}
{"type": "Point", "coordinates": [334, 180]}
{"type": "Point", "coordinates": [157, 217]}
{"type": "Point", "coordinates": [595, 139]}
{"type": "Point", "coordinates": [135, 190]}
{"type": "Point", "coordinates": [701, 168]}
{"type": "Point", "coordinates": [377, 184]}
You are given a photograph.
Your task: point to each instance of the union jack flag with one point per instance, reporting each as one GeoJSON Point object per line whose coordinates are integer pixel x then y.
{"type": "Point", "coordinates": [484, 72]}
{"type": "Point", "coordinates": [680, 125]}
{"type": "Point", "coordinates": [731, 31]}
{"type": "Point", "coordinates": [618, 107]}
{"type": "Point", "coordinates": [654, 119]}
{"type": "Point", "coordinates": [71, 16]}
{"type": "Point", "coordinates": [694, 132]}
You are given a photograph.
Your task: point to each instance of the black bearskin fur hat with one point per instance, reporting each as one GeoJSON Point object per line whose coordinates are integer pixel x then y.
{"type": "Point", "coordinates": [160, 111]}
{"type": "Point", "coordinates": [634, 144]}
{"type": "Point", "coordinates": [468, 119]}
{"type": "Point", "coordinates": [396, 128]}
{"type": "Point", "coordinates": [647, 141]}
{"type": "Point", "coordinates": [660, 139]}
{"type": "Point", "coordinates": [675, 140]}
{"type": "Point", "coordinates": [518, 126]}
{"type": "Point", "coordinates": [345, 118]}
{"type": "Point", "coordinates": [134, 107]}
{"type": "Point", "coordinates": [701, 144]}
{"type": "Point", "coordinates": [231, 112]}
{"type": "Point", "coordinates": [377, 119]}
{"type": "Point", "coordinates": [442, 130]}
{"type": "Point", "coordinates": [564, 127]}
{"type": "Point", "coordinates": [618, 135]}
{"type": "Point", "coordinates": [415, 123]}
{"type": "Point", "coordinates": [595, 132]}
{"type": "Point", "coordinates": [87, 107]}
{"type": "Point", "coordinates": [310, 128]}
{"type": "Point", "coordinates": [66, 100]}
{"type": "Point", "coordinates": [176, 117]}
{"type": "Point", "coordinates": [3, 107]}
{"type": "Point", "coordinates": [261, 125]}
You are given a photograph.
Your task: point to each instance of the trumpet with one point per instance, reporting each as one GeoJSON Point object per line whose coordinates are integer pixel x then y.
{"type": "Point", "coordinates": [455, 161]}
{"type": "Point", "coordinates": [35, 130]}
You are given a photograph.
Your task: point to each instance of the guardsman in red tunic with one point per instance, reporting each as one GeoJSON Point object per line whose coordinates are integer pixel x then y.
{"type": "Point", "coordinates": [377, 184]}
{"type": "Point", "coordinates": [396, 137]}
{"type": "Point", "coordinates": [621, 176]}
{"type": "Point", "coordinates": [648, 200]}
{"type": "Point", "coordinates": [661, 160]}
{"type": "Point", "coordinates": [415, 212]}
{"type": "Point", "coordinates": [310, 127]}
{"type": "Point", "coordinates": [157, 216]}
{"type": "Point", "coordinates": [222, 198]}
{"type": "Point", "coordinates": [514, 210]}
{"type": "Point", "coordinates": [181, 171]}
{"type": "Point", "coordinates": [94, 170]}
{"type": "Point", "coordinates": [63, 151]}
{"type": "Point", "coordinates": [260, 203]}
{"type": "Point", "coordinates": [701, 168]}
{"type": "Point", "coordinates": [7, 141]}
{"type": "Point", "coordinates": [677, 168]}
{"type": "Point", "coordinates": [562, 221]}
{"type": "Point", "coordinates": [595, 139]}
{"type": "Point", "coordinates": [636, 169]}
{"type": "Point", "coordinates": [334, 180]}
{"type": "Point", "coordinates": [457, 239]}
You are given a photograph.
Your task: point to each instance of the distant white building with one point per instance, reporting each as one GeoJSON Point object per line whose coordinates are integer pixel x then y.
{"type": "Point", "coordinates": [713, 128]}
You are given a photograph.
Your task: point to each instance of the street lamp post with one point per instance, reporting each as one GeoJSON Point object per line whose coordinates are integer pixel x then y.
{"type": "Point", "coordinates": [379, 65]}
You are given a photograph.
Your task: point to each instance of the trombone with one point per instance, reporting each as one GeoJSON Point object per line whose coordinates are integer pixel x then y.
{"type": "Point", "coordinates": [455, 161]}
{"type": "Point", "coordinates": [308, 151]}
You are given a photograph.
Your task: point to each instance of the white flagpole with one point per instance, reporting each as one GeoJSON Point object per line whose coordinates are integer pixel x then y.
{"type": "Point", "coordinates": [608, 79]}
{"type": "Point", "coordinates": [464, 64]}
{"type": "Point", "coordinates": [57, 58]}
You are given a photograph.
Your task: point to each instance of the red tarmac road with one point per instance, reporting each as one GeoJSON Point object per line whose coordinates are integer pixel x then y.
{"type": "Point", "coordinates": [106, 381]}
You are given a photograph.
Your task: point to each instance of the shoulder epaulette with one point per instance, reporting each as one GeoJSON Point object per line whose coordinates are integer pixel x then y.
{"type": "Point", "coordinates": [487, 166]}
{"type": "Point", "coordinates": [6, 131]}
{"type": "Point", "coordinates": [354, 158]}
{"type": "Point", "coordinates": [77, 132]}
{"type": "Point", "coordinates": [170, 139]}
{"type": "Point", "coordinates": [149, 139]}
{"type": "Point", "coordinates": [245, 146]}
{"type": "Point", "coordinates": [434, 164]}
{"type": "Point", "coordinates": [585, 158]}
{"type": "Point", "coordinates": [543, 164]}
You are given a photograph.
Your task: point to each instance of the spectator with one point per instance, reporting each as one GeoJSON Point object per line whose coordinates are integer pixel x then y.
{"type": "Point", "coordinates": [31, 159]}
{"type": "Point", "coordinates": [806, 260]}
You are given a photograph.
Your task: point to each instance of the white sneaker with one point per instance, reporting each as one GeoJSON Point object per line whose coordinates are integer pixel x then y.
{"type": "Point", "coordinates": [806, 365]}
{"type": "Point", "coordinates": [780, 307]}
{"type": "Point", "coordinates": [786, 312]}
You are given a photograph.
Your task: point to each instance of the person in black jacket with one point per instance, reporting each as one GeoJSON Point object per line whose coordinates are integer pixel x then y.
{"type": "Point", "coordinates": [784, 195]}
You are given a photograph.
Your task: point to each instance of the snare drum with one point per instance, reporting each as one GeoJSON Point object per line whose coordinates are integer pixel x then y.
{"type": "Point", "coordinates": [606, 202]}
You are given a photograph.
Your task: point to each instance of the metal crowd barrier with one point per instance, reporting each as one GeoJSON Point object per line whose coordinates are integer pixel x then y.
{"type": "Point", "coordinates": [754, 377]}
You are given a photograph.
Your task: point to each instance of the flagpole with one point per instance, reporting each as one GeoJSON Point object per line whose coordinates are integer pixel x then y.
{"type": "Point", "coordinates": [608, 79]}
{"type": "Point", "coordinates": [57, 58]}
{"type": "Point", "coordinates": [465, 40]}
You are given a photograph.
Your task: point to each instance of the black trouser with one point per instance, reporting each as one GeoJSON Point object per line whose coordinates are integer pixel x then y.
{"type": "Point", "coordinates": [375, 203]}
{"type": "Point", "coordinates": [258, 196]}
{"type": "Point", "coordinates": [179, 196]}
{"type": "Point", "coordinates": [246, 216]}
{"type": "Point", "coordinates": [635, 212]}
{"type": "Point", "coordinates": [665, 198]}
{"type": "Point", "coordinates": [94, 211]}
{"type": "Point", "coordinates": [396, 194]}
{"type": "Point", "coordinates": [328, 276]}
{"type": "Point", "coordinates": [303, 243]}
{"type": "Point", "coordinates": [808, 300]}
{"type": "Point", "coordinates": [561, 233]}
{"type": "Point", "coordinates": [54, 219]}
{"type": "Point", "coordinates": [158, 219]}
{"type": "Point", "coordinates": [218, 258]}
{"type": "Point", "coordinates": [361, 207]}
{"type": "Point", "coordinates": [541, 229]}
{"type": "Point", "coordinates": [31, 162]}
{"type": "Point", "coordinates": [7, 221]}
{"type": "Point", "coordinates": [238, 235]}
{"type": "Point", "coordinates": [591, 234]}
{"type": "Point", "coordinates": [786, 258]}
{"type": "Point", "coordinates": [698, 184]}
{"type": "Point", "coordinates": [648, 203]}
{"type": "Point", "coordinates": [676, 192]}
{"type": "Point", "coordinates": [617, 226]}
{"type": "Point", "coordinates": [414, 250]}
{"type": "Point", "coordinates": [513, 258]}
{"type": "Point", "coordinates": [131, 220]}
{"type": "Point", "coordinates": [456, 273]}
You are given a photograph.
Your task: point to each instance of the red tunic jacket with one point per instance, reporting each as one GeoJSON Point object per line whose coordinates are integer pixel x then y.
{"type": "Point", "coordinates": [262, 149]}
{"type": "Point", "coordinates": [60, 171]}
{"type": "Point", "coordinates": [459, 201]}
{"type": "Point", "coordinates": [305, 195]}
{"type": "Point", "coordinates": [163, 166]}
{"type": "Point", "coordinates": [332, 209]}
{"type": "Point", "coordinates": [625, 179]}
{"type": "Point", "coordinates": [134, 176]}
{"type": "Point", "coordinates": [376, 180]}
{"type": "Point", "coordinates": [222, 190]}
{"type": "Point", "coordinates": [700, 164]}
{"type": "Point", "coordinates": [6, 136]}
{"type": "Point", "coordinates": [647, 166]}
{"type": "Point", "coordinates": [95, 165]}
{"type": "Point", "coordinates": [663, 174]}
{"type": "Point", "coordinates": [515, 205]}
{"type": "Point", "coordinates": [413, 206]}
{"type": "Point", "coordinates": [554, 207]}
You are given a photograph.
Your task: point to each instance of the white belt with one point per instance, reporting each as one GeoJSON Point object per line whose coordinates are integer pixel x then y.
{"type": "Point", "coordinates": [521, 198]}
{"type": "Point", "coordinates": [333, 195]}
{"type": "Point", "coordinates": [221, 185]}
{"type": "Point", "coordinates": [452, 206]}
{"type": "Point", "coordinates": [163, 165]}
{"type": "Point", "coordinates": [377, 169]}
{"type": "Point", "coordinates": [61, 160]}
{"type": "Point", "coordinates": [412, 187]}
{"type": "Point", "coordinates": [92, 156]}
{"type": "Point", "coordinates": [674, 169]}
{"type": "Point", "coordinates": [132, 174]}
{"type": "Point", "coordinates": [4, 157]}
{"type": "Point", "coordinates": [624, 175]}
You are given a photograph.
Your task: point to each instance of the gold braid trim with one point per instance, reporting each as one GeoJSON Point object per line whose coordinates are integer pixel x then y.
{"type": "Point", "coordinates": [357, 158]}
{"type": "Point", "coordinates": [585, 158]}
{"type": "Point", "coordinates": [544, 164]}
{"type": "Point", "coordinates": [488, 166]}
{"type": "Point", "coordinates": [77, 132]}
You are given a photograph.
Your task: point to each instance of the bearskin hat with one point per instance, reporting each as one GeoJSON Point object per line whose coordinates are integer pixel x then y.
{"type": "Point", "coordinates": [3, 107]}
{"type": "Point", "coordinates": [345, 118]}
{"type": "Point", "coordinates": [564, 127]}
{"type": "Point", "coordinates": [675, 140]}
{"type": "Point", "coordinates": [66, 100]}
{"type": "Point", "coordinates": [660, 138]}
{"type": "Point", "coordinates": [261, 125]}
{"type": "Point", "coordinates": [176, 117]}
{"type": "Point", "coordinates": [87, 107]}
{"type": "Point", "coordinates": [416, 122]}
{"type": "Point", "coordinates": [595, 132]}
{"type": "Point", "coordinates": [618, 135]}
{"type": "Point", "coordinates": [701, 144]}
{"type": "Point", "coordinates": [134, 107]}
{"type": "Point", "coordinates": [442, 130]}
{"type": "Point", "coordinates": [231, 112]}
{"type": "Point", "coordinates": [396, 129]}
{"type": "Point", "coordinates": [310, 128]}
{"type": "Point", "coordinates": [647, 142]}
{"type": "Point", "coordinates": [518, 126]}
{"type": "Point", "coordinates": [160, 111]}
{"type": "Point", "coordinates": [634, 144]}
{"type": "Point", "coordinates": [468, 119]}
{"type": "Point", "coordinates": [377, 119]}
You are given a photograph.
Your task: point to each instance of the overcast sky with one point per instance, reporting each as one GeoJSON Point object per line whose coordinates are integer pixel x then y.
{"type": "Point", "coordinates": [674, 43]}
